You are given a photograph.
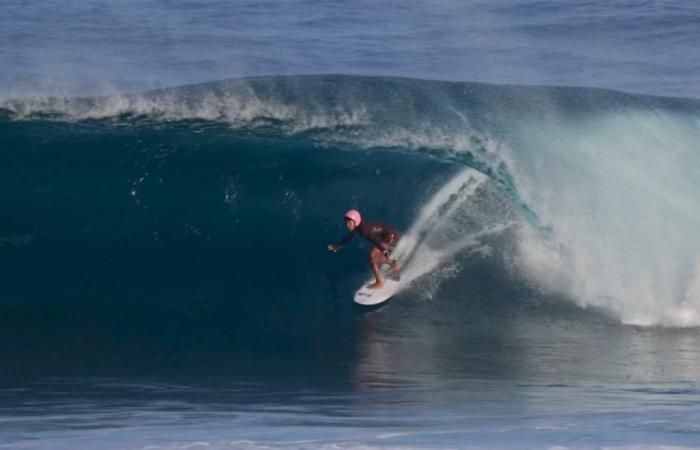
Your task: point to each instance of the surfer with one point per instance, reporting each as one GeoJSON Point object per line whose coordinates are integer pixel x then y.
{"type": "Point", "coordinates": [383, 238]}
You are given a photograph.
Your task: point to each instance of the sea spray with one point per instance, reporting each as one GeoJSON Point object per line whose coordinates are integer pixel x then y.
{"type": "Point", "coordinates": [466, 209]}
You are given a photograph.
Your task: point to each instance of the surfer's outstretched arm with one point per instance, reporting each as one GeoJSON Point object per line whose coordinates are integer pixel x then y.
{"type": "Point", "coordinates": [347, 238]}
{"type": "Point", "coordinates": [336, 247]}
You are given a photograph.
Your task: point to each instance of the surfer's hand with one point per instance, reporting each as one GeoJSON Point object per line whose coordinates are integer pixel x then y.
{"type": "Point", "coordinates": [333, 248]}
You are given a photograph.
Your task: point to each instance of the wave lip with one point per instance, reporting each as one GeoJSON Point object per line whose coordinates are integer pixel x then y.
{"type": "Point", "coordinates": [328, 101]}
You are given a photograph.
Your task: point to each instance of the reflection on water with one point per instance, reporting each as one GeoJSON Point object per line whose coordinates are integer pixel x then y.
{"type": "Point", "coordinates": [456, 337]}
{"type": "Point", "coordinates": [466, 374]}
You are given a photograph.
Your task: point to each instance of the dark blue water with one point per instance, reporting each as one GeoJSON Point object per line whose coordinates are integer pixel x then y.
{"type": "Point", "coordinates": [164, 277]}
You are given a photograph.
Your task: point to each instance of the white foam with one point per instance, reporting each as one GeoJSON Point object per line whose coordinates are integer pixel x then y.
{"type": "Point", "coordinates": [620, 195]}
{"type": "Point", "coordinates": [238, 107]}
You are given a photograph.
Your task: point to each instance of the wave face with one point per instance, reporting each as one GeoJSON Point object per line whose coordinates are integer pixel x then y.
{"type": "Point", "coordinates": [217, 200]}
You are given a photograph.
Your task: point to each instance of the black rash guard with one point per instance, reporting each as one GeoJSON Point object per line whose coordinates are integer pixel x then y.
{"type": "Point", "coordinates": [379, 234]}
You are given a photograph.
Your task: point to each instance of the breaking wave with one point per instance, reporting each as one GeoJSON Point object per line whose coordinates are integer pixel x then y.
{"type": "Point", "coordinates": [186, 201]}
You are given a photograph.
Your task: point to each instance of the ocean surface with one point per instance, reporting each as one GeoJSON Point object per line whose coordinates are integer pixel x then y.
{"type": "Point", "coordinates": [172, 171]}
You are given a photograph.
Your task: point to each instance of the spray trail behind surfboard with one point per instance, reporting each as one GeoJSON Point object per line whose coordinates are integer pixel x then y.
{"type": "Point", "coordinates": [453, 221]}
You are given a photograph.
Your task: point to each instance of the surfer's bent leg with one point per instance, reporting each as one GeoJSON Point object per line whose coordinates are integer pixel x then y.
{"type": "Point", "coordinates": [375, 259]}
{"type": "Point", "coordinates": [391, 243]}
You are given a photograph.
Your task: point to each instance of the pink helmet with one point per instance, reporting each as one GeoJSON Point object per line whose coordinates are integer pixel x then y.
{"type": "Point", "coordinates": [354, 215]}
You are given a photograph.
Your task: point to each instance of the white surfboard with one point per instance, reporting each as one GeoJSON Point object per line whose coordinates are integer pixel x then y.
{"type": "Point", "coordinates": [366, 296]}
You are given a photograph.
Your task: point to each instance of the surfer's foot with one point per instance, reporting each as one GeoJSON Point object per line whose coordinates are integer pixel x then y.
{"type": "Point", "coordinates": [376, 285]}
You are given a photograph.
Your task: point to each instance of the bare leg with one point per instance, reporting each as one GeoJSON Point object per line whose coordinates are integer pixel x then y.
{"type": "Point", "coordinates": [395, 266]}
{"type": "Point", "coordinates": [379, 282]}
{"type": "Point", "coordinates": [375, 259]}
